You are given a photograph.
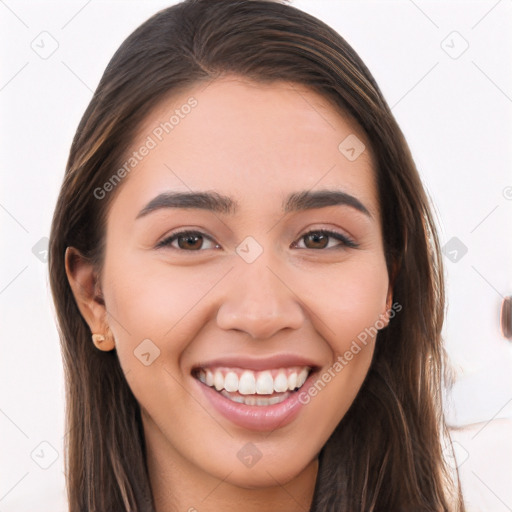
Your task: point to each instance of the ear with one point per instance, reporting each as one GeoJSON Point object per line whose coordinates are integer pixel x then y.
{"type": "Point", "coordinates": [84, 283]}
{"type": "Point", "coordinates": [389, 312]}
{"type": "Point", "coordinates": [385, 315]}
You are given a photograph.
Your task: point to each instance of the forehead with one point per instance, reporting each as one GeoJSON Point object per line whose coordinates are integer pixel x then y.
{"type": "Point", "coordinates": [255, 142]}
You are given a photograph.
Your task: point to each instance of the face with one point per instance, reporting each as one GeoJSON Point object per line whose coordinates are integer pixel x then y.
{"type": "Point", "coordinates": [236, 316]}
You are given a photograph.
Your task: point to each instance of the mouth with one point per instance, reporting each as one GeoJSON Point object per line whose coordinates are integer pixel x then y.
{"type": "Point", "coordinates": [254, 388]}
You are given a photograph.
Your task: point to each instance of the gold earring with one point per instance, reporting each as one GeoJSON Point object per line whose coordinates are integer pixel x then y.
{"type": "Point", "coordinates": [97, 339]}
{"type": "Point", "coordinates": [104, 343]}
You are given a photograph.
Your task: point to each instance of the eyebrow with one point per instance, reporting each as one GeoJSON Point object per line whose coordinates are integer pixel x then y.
{"type": "Point", "coordinates": [218, 203]}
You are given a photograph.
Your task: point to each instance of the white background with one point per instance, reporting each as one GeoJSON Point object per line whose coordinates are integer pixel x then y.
{"type": "Point", "coordinates": [455, 111]}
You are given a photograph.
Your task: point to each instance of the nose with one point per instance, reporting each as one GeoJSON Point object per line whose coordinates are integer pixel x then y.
{"type": "Point", "coordinates": [260, 301]}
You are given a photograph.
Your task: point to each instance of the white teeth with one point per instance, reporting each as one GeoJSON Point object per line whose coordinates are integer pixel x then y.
{"type": "Point", "coordinates": [275, 399]}
{"type": "Point", "coordinates": [234, 398]}
{"type": "Point", "coordinates": [218, 380]}
{"type": "Point", "coordinates": [247, 384]}
{"type": "Point", "coordinates": [280, 383]}
{"type": "Point", "coordinates": [301, 378]}
{"type": "Point", "coordinates": [264, 383]}
{"type": "Point", "coordinates": [256, 400]}
{"type": "Point", "coordinates": [231, 382]}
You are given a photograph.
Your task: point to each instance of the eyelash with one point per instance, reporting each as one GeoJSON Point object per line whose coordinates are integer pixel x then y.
{"type": "Point", "coordinates": [346, 242]}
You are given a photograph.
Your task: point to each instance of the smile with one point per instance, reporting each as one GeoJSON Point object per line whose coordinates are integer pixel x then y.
{"type": "Point", "coordinates": [260, 388]}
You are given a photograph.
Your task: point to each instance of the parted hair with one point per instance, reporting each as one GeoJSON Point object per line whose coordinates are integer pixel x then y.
{"type": "Point", "coordinates": [386, 454]}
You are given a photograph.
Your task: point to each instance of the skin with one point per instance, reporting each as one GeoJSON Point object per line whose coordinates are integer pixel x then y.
{"type": "Point", "coordinates": [257, 144]}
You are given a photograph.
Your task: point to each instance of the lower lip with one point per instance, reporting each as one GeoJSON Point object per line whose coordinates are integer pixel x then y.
{"type": "Point", "coordinates": [256, 417]}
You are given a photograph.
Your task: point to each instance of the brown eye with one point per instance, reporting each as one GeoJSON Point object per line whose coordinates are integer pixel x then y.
{"type": "Point", "coordinates": [321, 240]}
{"type": "Point", "coordinates": [188, 241]}
{"type": "Point", "coordinates": [316, 241]}
{"type": "Point", "coordinates": [193, 242]}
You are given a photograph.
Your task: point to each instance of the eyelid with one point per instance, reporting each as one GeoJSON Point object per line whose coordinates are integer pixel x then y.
{"type": "Point", "coordinates": [171, 237]}
{"type": "Point", "coordinates": [345, 240]}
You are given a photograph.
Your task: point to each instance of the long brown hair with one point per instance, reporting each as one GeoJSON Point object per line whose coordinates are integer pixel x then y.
{"type": "Point", "coordinates": [386, 453]}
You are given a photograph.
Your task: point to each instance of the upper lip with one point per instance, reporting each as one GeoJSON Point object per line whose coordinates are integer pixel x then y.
{"type": "Point", "coordinates": [259, 363]}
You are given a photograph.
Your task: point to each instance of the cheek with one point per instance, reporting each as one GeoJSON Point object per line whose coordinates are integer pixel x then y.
{"type": "Point", "coordinates": [348, 312]}
{"type": "Point", "coordinates": [151, 308]}
{"type": "Point", "coordinates": [155, 301]}
{"type": "Point", "coordinates": [349, 300]}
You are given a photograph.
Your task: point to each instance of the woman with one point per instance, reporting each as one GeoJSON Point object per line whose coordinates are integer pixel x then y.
{"type": "Point", "coordinates": [247, 278]}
